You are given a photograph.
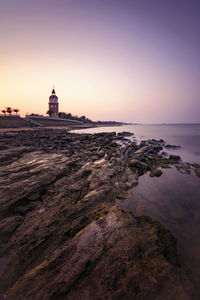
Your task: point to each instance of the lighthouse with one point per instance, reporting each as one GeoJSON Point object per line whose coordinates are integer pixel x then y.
{"type": "Point", "coordinates": [53, 104]}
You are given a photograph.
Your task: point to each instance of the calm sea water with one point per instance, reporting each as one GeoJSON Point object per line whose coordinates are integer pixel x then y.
{"type": "Point", "coordinates": [174, 198]}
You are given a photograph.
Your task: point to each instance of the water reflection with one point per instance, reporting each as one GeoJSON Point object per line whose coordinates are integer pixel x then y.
{"type": "Point", "coordinates": [174, 200]}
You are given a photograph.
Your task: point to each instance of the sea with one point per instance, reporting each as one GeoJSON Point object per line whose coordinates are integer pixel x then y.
{"type": "Point", "coordinates": [174, 198]}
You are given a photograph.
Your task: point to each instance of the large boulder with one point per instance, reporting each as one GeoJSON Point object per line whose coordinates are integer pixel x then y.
{"type": "Point", "coordinates": [118, 256]}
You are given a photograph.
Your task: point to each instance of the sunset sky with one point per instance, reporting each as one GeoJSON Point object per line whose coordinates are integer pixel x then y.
{"type": "Point", "coordinates": [123, 60]}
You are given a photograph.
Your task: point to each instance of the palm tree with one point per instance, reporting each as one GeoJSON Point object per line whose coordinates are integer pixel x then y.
{"type": "Point", "coordinates": [9, 110]}
{"type": "Point", "coordinates": [3, 111]}
{"type": "Point", "coordinates": [16, 110]}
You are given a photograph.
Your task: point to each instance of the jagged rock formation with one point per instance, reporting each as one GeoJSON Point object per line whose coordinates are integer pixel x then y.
{"type": "Point", "coordinates": [61, 235]}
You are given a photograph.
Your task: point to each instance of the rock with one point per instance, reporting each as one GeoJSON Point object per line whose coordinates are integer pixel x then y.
{"type": "Point", "coordinates": [61, 238]}
{"type": "Point", "coordinates": [156, 148]}
{"type": "Point", "coordinates": [8, 225]}
{"type": "Point", "coordinates": [155, 173]}
{"type": "Point", "coordinates": [163, 153]}
{"type": "Point", "coordinates": [143, 143]}
{"type": "Point", "coordinates": [197, 171]}
{"type": "Point", "coordinates": [132, 257]}
{"type": "Point", "coordinates": [174, 158]}
{"type": "Point", "coordinates": [125, 133]}
{"type": "Point", "coordinates": [183, 168]}
{"type": "Point", "coordinates": [86, 172]}
{"type": "Point", "coordinates": [165, 166]}
{"type": "Point", "coordinates": [196, 165]}
{"type": "Point", "coordinates": [138, 166]}
{"type": "Point", "coordinates": [172, 146]}
{"type": "Point", "coordinates": [76, 187]}
{"type": "Point", "coordinates": [161, 141]}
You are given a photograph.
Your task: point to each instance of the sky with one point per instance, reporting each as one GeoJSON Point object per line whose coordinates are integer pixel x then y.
{"type": "Point", "coordinates": [125, 60]}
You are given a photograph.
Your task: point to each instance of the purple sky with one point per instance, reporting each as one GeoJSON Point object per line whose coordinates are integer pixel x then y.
{"type": "Point", "coordinates": [108, 59]}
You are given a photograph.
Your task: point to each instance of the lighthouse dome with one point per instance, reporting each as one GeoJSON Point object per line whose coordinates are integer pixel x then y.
{"type": "Point", "coordinates": [53, 98]}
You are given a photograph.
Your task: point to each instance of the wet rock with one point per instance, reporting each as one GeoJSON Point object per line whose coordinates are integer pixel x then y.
{"type": "Point", "coordinates": [174, 158]}
{"type": "Point", "coordinates": [172, 146]}
{"type": "Point", "coordinates": [125, 133]}
{"type": "Point", "coordinates": [197, 171]}
{"type": "Point", "coordinates": [163, 153]}
{"type": "Point", "coordinates": [143, 143]}
{"type": "Point", "coordinates": [165, 166]}
{"type": "Point", "coordinates": [183, 168]}
{"type": "Point", "coordinates": [161, 141]}
{"type": "Point", "coordinates": [156, 148]}
{"type": "Point", "coordinates": [155, 173]}
{"type": "Point", "coordinates": [132, 257]}
{"type": "Point", "coordinates": [61, 238]}
{"type": "Point", "coordinates": [138, 166]}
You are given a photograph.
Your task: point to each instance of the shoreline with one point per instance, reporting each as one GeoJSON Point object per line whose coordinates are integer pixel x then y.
{"type": "Point", "coordinates": [19, 123]}
{"type": "Point", "coordinates": [67, 128]}
{"type": "Point", "coordinates": [58, 193]}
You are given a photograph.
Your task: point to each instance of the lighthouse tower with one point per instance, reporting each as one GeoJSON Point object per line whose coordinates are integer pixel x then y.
{"type": "Point", "coordinates": [53, 104]}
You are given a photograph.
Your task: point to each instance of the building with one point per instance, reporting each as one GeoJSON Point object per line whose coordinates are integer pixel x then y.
{"type": "Point", "coordinates": [53, 104]}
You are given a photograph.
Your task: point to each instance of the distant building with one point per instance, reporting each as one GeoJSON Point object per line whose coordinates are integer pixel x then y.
{"type": "Point", "coordinates": [53, 104]}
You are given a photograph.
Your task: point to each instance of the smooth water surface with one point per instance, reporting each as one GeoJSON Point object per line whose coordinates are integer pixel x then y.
{"type": "Point", "coordinates": [174, 200]}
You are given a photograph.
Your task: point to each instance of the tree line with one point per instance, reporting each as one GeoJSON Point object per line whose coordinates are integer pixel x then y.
{"type": "Point", "coordinates": [69, 116]}
{"type": "Point", "coordinates": [83, 119]}
{"type": "Point", "coordinates": [9, 110]}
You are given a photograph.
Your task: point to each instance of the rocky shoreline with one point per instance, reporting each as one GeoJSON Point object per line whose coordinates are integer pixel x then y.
{"type": "Point", "coordinates": [62, 236]}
